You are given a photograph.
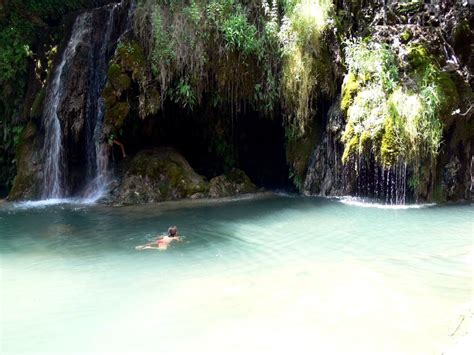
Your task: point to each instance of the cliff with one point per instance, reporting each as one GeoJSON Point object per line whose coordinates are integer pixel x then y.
{"type": "Point", "coordinates": [368, 98]}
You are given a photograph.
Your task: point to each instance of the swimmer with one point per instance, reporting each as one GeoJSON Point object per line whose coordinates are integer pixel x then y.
{"type": "Point", "coordinates": [162, 242]}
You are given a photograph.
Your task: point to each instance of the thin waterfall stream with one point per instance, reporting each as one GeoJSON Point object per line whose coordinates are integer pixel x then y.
{"type": "Point", "coordinates": [89, 50]}
{"type": "Point", "coordinates": [53, 148]}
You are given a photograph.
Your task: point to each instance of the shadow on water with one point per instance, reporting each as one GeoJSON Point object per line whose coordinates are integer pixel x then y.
{"type": "Point", "coordinates": [264, 222]}
{"type": "Point", "coordinates": [73, 228]}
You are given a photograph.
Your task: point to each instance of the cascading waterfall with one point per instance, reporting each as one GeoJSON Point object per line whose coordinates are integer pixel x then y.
{"type": "Point", "coordinates": [54, 185]}
{"type": "Point", "coordinates": [74, 109]}
{"type": "Point", "coordinates": [387, 185]}
{"type": "Point", "coordinates": [96, 147]}
{"type": "Point", "coordinates": [361, 176]}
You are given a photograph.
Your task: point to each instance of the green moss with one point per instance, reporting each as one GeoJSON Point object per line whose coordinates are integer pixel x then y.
{"type": "Point", "coordinates": [395, 117]}
{"type": "Point", "coordinates": [418, 56]}
{"type": "Point", "coordinates": [131, 57]}
{"type": "Point", "coordinates": [114, 70]}
{"type": "Point", "coordinates": [26, 183]}
{"type": "Point", "coordinates": [409, 6]}
{"type": "Point", "coordinates": [108, 94]}
{"type": "Point", "coordinates": [349, 90]}
{"type": "Point", "coordinates": [350, 148]}
{"type": "Point", "coordinates": [390, 148]}
{"type": "Point", "coordinates": [117, 114]}
{"type": "Point", "coordinates": [440, 194]}
{"type": "Point", "coordinates": [121, 82]}
{"type": "Point", "coordinates": [406, 36]}
{"type": "Point", "coordinates": [149, 102]}
{"type": "Point", "coordinates": [118, 78]}
{"type": "Point", "coordinates": [447, 92]}
{"type": "Point", "coordinates": [307, 68]}
{"type": "Point", "coordinates": [128, 62]}
{"type": "Point", "coordinates": [37, 106]}
{"type": "Point", "coordinates": [168, 172]}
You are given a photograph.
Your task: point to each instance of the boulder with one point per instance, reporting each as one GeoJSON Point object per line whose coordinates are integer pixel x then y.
{"type": "Point", "coordinates": [234, 183]}
{"type": "Point", "coordinates": [156, 175]}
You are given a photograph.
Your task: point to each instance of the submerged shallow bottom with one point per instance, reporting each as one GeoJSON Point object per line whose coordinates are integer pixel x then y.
{"type": "Point", "coordinates": [274, 274]}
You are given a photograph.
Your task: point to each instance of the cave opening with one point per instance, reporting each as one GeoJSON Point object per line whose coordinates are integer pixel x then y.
{"type": "Point", "coordinates": [213, 142]}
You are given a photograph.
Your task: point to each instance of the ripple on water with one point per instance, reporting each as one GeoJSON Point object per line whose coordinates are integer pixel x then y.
{"type": "Point", "coordinates": [368, 203]}
{"type": "Point", "coordinates": [268, 274]}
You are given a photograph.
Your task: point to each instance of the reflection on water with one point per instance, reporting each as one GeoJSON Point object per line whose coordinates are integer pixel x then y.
{"type": "Point", "coordinates": [269, 274]}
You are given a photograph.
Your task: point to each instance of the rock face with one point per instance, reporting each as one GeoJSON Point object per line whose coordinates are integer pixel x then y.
{"type": "Point", "coordinates": [27, 184]}
{"type": "Point", "coordinates": [234, 183]}
{"type": "Point", "coordinates": [73, 97]}
{"type": "Point", "coordinates": [163, 174]}
{"type": "Point", "coordinates": [325, 169]}
{"type": "Point", "coordinates": [158, 175]}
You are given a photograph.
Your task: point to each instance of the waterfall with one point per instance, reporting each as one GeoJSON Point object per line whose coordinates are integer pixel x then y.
{"type": "Point", "coordinates": [361, 176]}
{"type": "Point", "coordinates": [96, 146]}
{"type": "Point", "coordinates": [76, 153]}
{"type": "Point", "coordinates": [54, 165]}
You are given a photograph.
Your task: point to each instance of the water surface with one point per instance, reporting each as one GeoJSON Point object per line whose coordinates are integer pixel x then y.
{"type": "Point", "coordinates": [269, 274]}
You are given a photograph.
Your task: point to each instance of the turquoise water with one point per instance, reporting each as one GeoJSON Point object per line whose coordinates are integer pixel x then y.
{"type": "Point", "coordinates": [267, 274]}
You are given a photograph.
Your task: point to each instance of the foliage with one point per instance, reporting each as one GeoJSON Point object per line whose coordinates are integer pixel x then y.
{"type": "Point", "coordinates": [394, 106]}
{"type": "Point", "coordinates": [240, 35]}
{"type": "Point", "coordinates": [22, 24]}
{"type": "Point", "coordinates": [306, 60]}
{"type": "Point", "coordinates": [217, 48]}
{"type": "Point", "coordinates": [183, 95]}
{"type": "Point", "coordinates": [127, 65]}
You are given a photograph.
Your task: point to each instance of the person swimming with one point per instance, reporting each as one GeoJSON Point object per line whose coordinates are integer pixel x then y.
{"type": "Point", "coordinates": [162, 242]}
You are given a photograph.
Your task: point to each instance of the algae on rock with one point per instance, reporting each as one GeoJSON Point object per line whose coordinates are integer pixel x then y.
{"type": "Point", "coordinates": [236, 182]}
{"type": "Point", "coordinates": [156, 175]}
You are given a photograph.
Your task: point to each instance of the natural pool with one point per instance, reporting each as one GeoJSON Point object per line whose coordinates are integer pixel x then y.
{"type": "Point", "coordinates": [267, 274]}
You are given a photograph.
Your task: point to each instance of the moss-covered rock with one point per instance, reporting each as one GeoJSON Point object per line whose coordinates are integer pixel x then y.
{"type": "Point", "coordinates": [236, 182]}
{"type": "Point", "coordinates": [349, 90]}
{"type": "Point", "coordinates": [37, 106]}
{"type": "Point", "coordinates": [27, 183]}
{"type": "Point", "coordinates": [298, 153]}
{"type": "Point", "coordinates": [158, 175]}
{"type": "Point", "coordinates": [131, 57]}
{"type": "Point", "coordinates": [406, 36]}
{"type": "Point", "coordinates": [127, 66]}
{"type": "Point", "coordinates": [116, 114]}
{"type": "Point", "coordinates": [390, 148]}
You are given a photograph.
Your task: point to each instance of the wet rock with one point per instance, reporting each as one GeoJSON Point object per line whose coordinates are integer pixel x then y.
{"type": "Point", "coordinates": [451, 177]}
{"type": "Point", "coordinates": [27, 184]}
{"type": "Point", "coordinates": [324, 176]}
{"type": "Point", "coordinates": [234, 183]}
{"type": "Point", "coordinates": [197, 196]}
{"type": "Point", "coordinates": [158, 175]}
{"type": "Point", "coordinates": [471, 173]}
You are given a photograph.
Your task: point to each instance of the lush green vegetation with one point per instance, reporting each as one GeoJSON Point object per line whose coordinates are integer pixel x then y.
{"type": "Point", "coordinates": [283, 59]}
{"type": "Point", "coordinates": [23, 26]}
{"type": "Point", "coordinates": [230, 54]}
{"type": "Point", "coordinates": [219, 48]}
{"type": "Point", "coordinates": [395, 101]}
{"type": "Point", "coordinates": [306, 61]}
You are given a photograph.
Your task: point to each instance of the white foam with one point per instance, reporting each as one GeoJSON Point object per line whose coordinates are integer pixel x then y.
{"type": "Point", "coordinates": [367, 203]}
{"type": "Point", "coordinates": [53, 202]}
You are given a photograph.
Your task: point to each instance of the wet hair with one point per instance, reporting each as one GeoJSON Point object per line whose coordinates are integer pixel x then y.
{"type": "Point", "coordinates": [172, 231]}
